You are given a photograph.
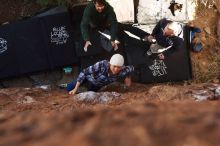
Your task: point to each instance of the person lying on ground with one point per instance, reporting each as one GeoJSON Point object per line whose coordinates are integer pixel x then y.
{"type": "Point", "coordinates": [166, 34]}
{"type": "Point", "coordinates": [102, 73]}
{"type": "Point", "coordinates": [99, 15]}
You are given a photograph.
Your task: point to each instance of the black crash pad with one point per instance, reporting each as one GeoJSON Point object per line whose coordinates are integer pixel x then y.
{"type": "Point", "coordinates": [29, 46]}
{"type": "Point", "coordinates": [40, 43]}
{"type": "Point", "coordinates": [58, 35]}
{"type": "Point", "coordinates": [175, 67]}
{"type": "Point", "coordinates": [8, 58]}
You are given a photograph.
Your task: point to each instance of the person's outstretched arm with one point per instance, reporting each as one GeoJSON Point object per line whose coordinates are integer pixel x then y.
{"type": "Point", "coordinates": [128, 70]}
{"type": "Point", "coordinates": [127, 81]}
{"type": "Point", "coordinates": [112, 20]}
{"type": "Point", "coordinates": [84, 25]}
{"type": "Point", "coordinates": [73, 92]}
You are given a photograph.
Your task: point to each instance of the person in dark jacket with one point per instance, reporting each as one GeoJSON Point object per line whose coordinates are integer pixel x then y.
{"type": "Point", "coordinates": [166, 35]}
{"type": "Point", "coordinates": [102, 73]}
{"type": "Point", "coordinates": [99, 15]}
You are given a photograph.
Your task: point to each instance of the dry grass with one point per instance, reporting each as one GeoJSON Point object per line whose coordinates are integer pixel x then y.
{"type": "Point", "coordinates": [206, 64]}
{"type": "Point", "coordinates": [206, 69]}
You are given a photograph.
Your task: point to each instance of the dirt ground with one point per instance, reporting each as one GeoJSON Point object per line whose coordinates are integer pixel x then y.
{"type": "Point", "coordinates": [155, 115]}
{"type": "Point", "coordinates": [152, 115]}
{"type": "Point", "coordinates": [13, 10]}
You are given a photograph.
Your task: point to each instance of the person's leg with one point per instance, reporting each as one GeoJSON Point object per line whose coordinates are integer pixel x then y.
{"type": "Point", "coordinates": [91, 87]}
{"type": "Point", "coordinates": [193, 32]}
{"type": "Point", "coordinates": [71, 85]}
{"type": "Point", "coordinates": [195, 41]}
{"type": "Point", "coordinates": [105, 42]}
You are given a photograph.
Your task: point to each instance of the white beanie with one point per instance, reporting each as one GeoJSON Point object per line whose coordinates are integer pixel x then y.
{"type": "Point", "coordinates": [117, 60]}
{"type": "Point", "coordinates": [176, 27]}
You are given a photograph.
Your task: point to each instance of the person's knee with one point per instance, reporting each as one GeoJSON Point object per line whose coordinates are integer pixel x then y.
{"type": "Point", "coordinates": [69, 87]}
{"type": "Point", "coordinates": [91, 87]}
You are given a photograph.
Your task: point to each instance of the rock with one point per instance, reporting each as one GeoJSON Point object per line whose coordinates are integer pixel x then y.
{"type": "Point", "coordinates": [106, 97]}
{"type": "Point", "coordinates": [27, 100]}
{"type": "Point", "coordinates": [210, 92]}
{"type": "Point", "coordinates": [210, 86]}
{"type": "Point", "coordinates": [217, 92]}
{"type": "Point", "coordinates": [44, 87]}
{"type": "Point", "coordinates": [87, 96]}
{"type": "Point", "coordinates": [202, 95]}
{"type": "Point", "coordinates": [97, 97]}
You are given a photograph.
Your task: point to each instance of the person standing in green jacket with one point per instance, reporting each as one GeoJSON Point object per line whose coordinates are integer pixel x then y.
{"type": "Point", "coordinates": [99, 15]}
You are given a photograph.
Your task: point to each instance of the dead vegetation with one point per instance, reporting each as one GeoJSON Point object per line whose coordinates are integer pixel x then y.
{"type": "Point", "coordinates": [206, 64]}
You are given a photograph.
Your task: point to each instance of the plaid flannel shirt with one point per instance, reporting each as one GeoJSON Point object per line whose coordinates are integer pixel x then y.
{"type": "Point", "coordinates": [98, 74]}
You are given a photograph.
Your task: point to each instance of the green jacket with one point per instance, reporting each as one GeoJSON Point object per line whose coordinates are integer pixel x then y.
{"type": "Point", "coordinates": [93, 19]}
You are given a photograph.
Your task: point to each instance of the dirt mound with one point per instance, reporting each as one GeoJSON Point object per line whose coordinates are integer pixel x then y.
{"type": "Point", "coordinates": [145, 115]}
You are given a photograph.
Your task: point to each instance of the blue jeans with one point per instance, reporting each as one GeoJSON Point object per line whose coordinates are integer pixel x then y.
{"type": "Point", "coordinates": [193, 32]}
{"type": "Point", "coordinates": [197, 47]}
{"type": "Point", "coordinates": [89, 86]}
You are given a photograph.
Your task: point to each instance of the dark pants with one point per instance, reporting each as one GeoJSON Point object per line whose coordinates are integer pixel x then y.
{"type": "Point", "coordinates": [89, 86]}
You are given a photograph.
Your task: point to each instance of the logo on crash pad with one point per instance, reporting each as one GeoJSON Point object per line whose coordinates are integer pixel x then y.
{"type": "Point", "coordinates": [59, 35]}
{"type": "Point", "coordinates": [158, 68]}
{"type": "Point", "coordinates": [3, 45]}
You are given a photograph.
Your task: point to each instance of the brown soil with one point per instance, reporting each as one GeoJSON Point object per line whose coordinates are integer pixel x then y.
{"type": "Point", "coordinates": [145, 115]}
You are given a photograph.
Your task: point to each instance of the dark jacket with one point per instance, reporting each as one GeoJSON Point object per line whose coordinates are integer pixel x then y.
{"type": "Point", "coordinates": [166, 41]}
{"type": "Point", "coordinates": [92, 18]}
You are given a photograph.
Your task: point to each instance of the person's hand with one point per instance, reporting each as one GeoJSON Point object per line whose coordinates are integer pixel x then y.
{"type": "Point", "coordinates": [151, 39]}
{"type": "Point", "coordinates": [127, 81]}
{"type": "Point", "coordinates": [191, 24]}
{"type": "Point", "coordinates": [86, 45]}
{"type": "Point", "coordinates": [114, 45]}
{"type": "Point", "coordinates": [145, 38]}
{"type": "Point", "coordinates": [161, 56]}
{"type": "Point", "coordinates": [73, 92]}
